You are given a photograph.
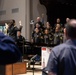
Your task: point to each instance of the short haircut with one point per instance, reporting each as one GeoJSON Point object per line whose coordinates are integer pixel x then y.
{"type": "Point", "coordinates": [18, 30]}
{"type": "Point", "coordinates": [71, 28]}
{"type": "Point", "coordinates": [13, 21]}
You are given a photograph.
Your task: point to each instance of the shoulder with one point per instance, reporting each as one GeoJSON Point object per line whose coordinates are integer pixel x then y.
{"type": "Point", "coordinates": [61, 46]}
{"type": "Point", "coordinates": [23, 37]}
{"type": "Point", "coordinates": [57, 50]}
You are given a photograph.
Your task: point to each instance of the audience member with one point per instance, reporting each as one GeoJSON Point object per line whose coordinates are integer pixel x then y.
{"type": "Point", "coordinates": [62, 60]}
{"type": "Point", "coordinates": [9, 52]}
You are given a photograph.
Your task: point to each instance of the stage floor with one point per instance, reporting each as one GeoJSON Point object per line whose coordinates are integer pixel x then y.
{"type": "Point", "coordinates": [37, 70]}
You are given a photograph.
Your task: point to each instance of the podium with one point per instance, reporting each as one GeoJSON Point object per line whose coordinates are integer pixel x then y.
{"type": "Point", "coordinates": [13, 69]}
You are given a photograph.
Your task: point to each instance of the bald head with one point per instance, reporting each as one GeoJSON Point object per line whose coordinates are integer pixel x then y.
{"type": "Point", "coordinates": [72, 22]}
{"type": "Point", "coordinates": [71, 28]}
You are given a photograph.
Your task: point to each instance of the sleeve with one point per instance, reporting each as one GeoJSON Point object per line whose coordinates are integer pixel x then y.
{"type": "Point", "coordinates": [9, 52]}
{"type": "Point", "coordinates": [52, 63]}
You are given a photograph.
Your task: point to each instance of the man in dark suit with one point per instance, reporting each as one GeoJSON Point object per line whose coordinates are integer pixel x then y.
{"type": "Point", "coordinates": [62, 59]}
{"type": "Point", "coordinates": [9, 52]}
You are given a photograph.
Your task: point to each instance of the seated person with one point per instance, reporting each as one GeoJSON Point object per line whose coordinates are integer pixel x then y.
{"type": "Point", "coordinates": [20, 41]}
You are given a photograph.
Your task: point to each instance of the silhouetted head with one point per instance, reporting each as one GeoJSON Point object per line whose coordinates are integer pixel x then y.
{"type": "Point", "coordinates": [70, 29]}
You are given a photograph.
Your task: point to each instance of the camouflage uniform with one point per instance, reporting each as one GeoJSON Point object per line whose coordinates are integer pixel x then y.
{"type": "Point", "coordinates": [37, 37]}
{"type": "Point", "coordinates": [58, 38]}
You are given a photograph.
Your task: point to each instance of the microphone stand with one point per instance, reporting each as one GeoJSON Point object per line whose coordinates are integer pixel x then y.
{"type": "Point", "coordinates": [33, 66]}
{"type": "Point", "coordinates": [33, 59]}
